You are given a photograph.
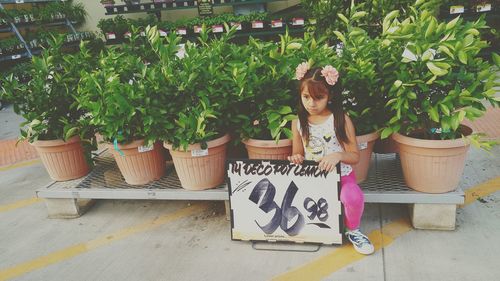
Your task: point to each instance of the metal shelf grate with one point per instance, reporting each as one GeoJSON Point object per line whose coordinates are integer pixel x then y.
{"type": "Point", "coordinates": [385, 184]}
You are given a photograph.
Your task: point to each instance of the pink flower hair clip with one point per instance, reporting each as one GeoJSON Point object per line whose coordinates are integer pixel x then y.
{"type": "Point", "coordinates": [301, 70]}
{"type": "Point", "coordinates": [331, 74]}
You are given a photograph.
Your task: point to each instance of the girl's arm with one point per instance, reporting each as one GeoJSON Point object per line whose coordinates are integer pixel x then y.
{"type": "Point", "coordinates": [297, 147]}
{"type": "Point", "coordinates": [351, 152]}
{"type": "Point", "coordinates": [350, 155]}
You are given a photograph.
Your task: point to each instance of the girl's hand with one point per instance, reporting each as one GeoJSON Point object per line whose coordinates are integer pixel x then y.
{"type": "Point", "coordinates": [296, 159]}
{"type": "Point", "coordinates": [328, 162]}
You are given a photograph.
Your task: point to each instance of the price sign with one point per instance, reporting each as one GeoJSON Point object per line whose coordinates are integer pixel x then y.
{"type": "Point", "coordinates": [275, 200]}
{"type": "Point", "coordinates": [205, 7]}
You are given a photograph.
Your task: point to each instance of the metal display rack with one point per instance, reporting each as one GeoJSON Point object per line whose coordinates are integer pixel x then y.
{"type": "Point", "coordinates": [70, 199]}
{"type": "Point", "coordinates": [14, 28]}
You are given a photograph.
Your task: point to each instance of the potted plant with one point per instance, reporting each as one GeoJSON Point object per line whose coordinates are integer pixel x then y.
{"type": "Point", "coordinates": [54, 125]}
{"type": "Point", "coordinates": [121, 96]}
{"type": "Point", "coordinates": [198, 141]}
{"type": "Point", "coordinates": [362, 67]}
{"type": "Point", "coordinates": [107, 28]}
{"type": "Point", "coordinates": [440, 81]}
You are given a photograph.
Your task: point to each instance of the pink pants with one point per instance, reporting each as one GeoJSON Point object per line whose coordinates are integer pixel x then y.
{"type": "Point", "coordinates": [353, 199]}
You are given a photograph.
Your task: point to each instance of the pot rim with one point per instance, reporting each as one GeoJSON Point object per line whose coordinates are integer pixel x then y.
{"type": "Point", "coordinates": [131, 145]}
{"type": "Point", "coordinates": [461, 142]}
{"type": "Point", "coordinates": [368, 137]}
{"type": "Point", "coordinates": [56, 142]}
{"type": "Point", "coordinates": [197, 146]}
{"type": "Point", "coordinates": [267, 143]}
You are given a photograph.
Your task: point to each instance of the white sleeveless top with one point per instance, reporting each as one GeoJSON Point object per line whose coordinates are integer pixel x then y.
{"type": "Point", "coordinates": [322, 141]}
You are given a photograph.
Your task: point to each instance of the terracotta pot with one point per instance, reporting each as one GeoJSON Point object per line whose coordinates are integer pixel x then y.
{"type": "Point", "coordinates": [268, 149]}
{"type": "Point", "coordinates": [63, 160]}
{"type": "Point", "coordinates": [385, 146]}
{"type": "Point", "coordinates": [201, 172]}
{"type": "Point", "coordinates": [432, 166]}
{"type": "Point", "coordinates": [137, 167]}
{"type": "Point", "coordinates": [365, 154]}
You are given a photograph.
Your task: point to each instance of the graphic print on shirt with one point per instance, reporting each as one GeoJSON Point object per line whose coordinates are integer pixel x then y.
{"type": "Point", "coordinates": [316, 148]}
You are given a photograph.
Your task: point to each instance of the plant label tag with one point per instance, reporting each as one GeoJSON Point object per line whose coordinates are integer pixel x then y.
{"type": "Point", "coordinates": [127, 34]}
{"type": "Point", "coordinates": [15, 57]}
{"type": "Point", "coordinates": [143, 34]}
{"type": "Point", "coordinates": [297, 21]}
{"type": "Point", "coordinates": [199, 152]}
{"type": "Point", "coordinates": [257, 24]}
{"type": "Point", "coordinates": [362, 145]}
{"type": "Point", "coordinates": [111, 36]}
{"type": "Point", "coordinates": [237, 24]}
{"type": "Point", "coordinates": [312, 21]}
{"type": "Point", "coordinates": [142, 7]}
{"type": "Point", "coordinates": [217, 29]}
{"type": "Point", "coordinates": [197, 29]}
{"type": "Point", "coordinates": [181, 31]}
{"type": "Point", "coordinates": [457, 10]}
{"type": "Point", "coordinates": [163, 33]}
{"type": "Point", "coordinates": [483, 8]}
{"type": "Point", "coordinates": [276, 23]}
{"type": "Point", "coordinates": [145, 148]}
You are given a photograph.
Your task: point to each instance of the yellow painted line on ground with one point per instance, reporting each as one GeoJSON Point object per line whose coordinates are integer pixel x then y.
{"type": "Point", "coordinates": [481, 190]}
{"type": "Point", "coordinates": [72, 251]}
{"type": "Point", "coordinates": [345, 255]}
{"type": "Point", "coordinates": [19, 165]}
{"type": "Point", "coordinates": [19, 204]}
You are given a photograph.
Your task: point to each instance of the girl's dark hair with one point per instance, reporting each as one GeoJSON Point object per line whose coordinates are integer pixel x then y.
{"type": "Point", "coordinates": [317, 88]}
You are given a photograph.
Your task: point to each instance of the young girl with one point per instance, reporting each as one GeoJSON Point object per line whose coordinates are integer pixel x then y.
{"type": "Point", "coordinates": [325, 134]}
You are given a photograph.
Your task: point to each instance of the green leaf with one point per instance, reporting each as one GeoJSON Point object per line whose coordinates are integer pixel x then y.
{"type": "Point", "coordinates": [444, 109]}
{"type": "Point", "coordinates": [340, 36]}
{"type": "Point", "coordinates": [462, 56]}
{"type": "Point", "coordinates": [452, 23]}
{"type": "Point", "coordinates": [496, 59]}
{"type": "Point", "coordinates": [431, 28]}
{"type": "Point", "coordinates": [436, 70]}
{"type": "Point", "coordinates": [343, 18]}
{"type": "Point", "coordinates": [285, 110]}
{"type": "Point", "coordinates": [433, 114]}
{"type": "Point", "coordinates": [358, 15]}
{"type": "Point", "coordinates": [385, 133]}
{"type": "Point", "coordinates": [70, 133]}
{"type": "Point", "coordinates": [468, 40]}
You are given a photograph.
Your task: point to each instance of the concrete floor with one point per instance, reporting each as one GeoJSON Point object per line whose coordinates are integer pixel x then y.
{"type": "Point", "coordinates": [180, 240]}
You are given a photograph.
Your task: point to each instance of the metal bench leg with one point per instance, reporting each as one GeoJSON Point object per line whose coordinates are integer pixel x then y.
{"type": "Point", "coordinates": [433, 216]}
{"type": "Point", "coordinates": [228, 210]}
{"type": "Point", "coordinates": [67, 208]}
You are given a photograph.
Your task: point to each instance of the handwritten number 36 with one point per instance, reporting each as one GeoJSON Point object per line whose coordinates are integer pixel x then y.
{"type": "Point", "coordinates": [264, 191]}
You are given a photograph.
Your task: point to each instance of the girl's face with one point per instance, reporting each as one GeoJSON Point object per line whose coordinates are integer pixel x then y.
{"type": "Point", "coordinates": [314, 106]}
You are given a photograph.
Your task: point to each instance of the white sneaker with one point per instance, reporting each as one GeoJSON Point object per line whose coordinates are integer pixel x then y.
{"type": "Point", "coordinates": [360, 242]}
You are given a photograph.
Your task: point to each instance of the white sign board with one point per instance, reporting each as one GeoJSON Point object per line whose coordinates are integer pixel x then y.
{"type": "Point", "coordinates": [275, 200]}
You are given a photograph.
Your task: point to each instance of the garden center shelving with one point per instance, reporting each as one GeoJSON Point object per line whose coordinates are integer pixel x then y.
{"type": "Point", "coordinates": [14, 28]}
{"type": "Point", "coordinates": [240, 7]}
{"type": "Point", "coordinates": [152, 7]}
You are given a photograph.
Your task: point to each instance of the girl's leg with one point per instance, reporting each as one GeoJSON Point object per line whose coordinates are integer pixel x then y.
{"type": "Point", "coordinates": [354, 202]}
{"type": "Point", "coordinates": [353, 199]}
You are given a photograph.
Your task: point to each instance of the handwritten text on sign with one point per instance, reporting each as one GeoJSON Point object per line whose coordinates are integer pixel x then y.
{"type": "Point", "coordinates": [274, 200]}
